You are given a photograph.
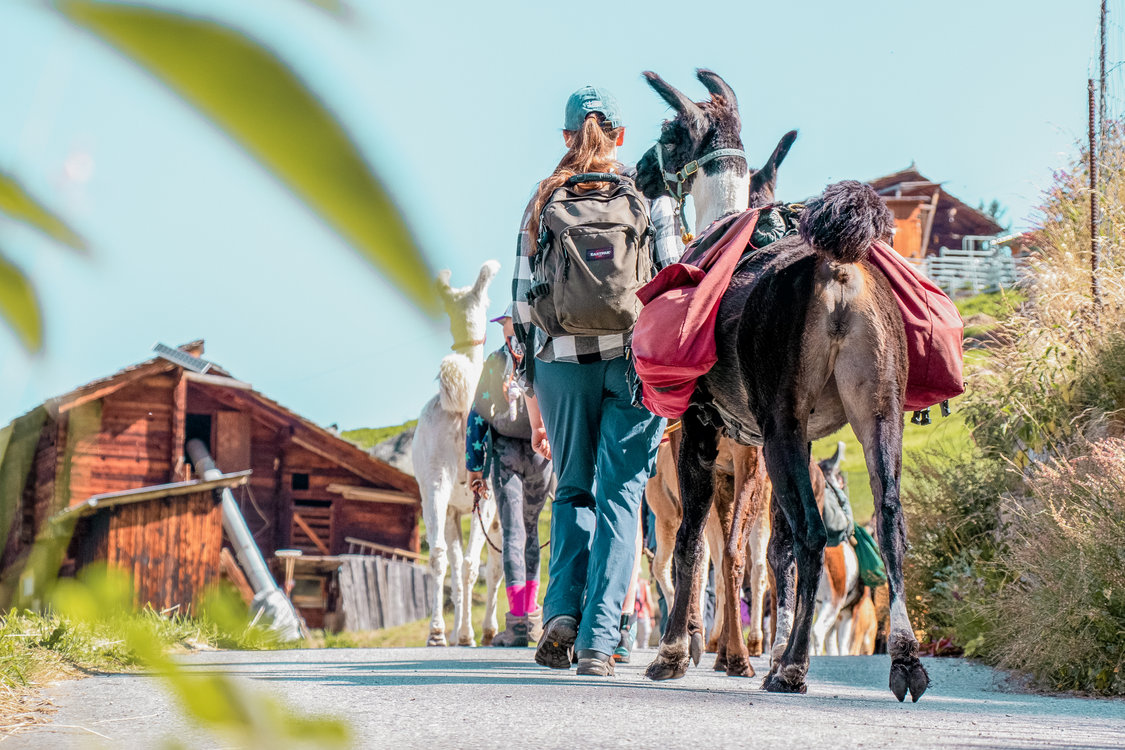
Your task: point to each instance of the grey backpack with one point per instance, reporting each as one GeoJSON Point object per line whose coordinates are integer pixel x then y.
{"type": "Point", "coordinates": [594, 252]}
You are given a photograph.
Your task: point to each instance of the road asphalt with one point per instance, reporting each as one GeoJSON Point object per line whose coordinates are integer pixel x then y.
{"type": "Point", "coordinates": [445, 698]}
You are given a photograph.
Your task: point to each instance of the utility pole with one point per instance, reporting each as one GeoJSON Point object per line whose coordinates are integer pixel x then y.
{"type": "Point", "coordinates": [1095, 239]}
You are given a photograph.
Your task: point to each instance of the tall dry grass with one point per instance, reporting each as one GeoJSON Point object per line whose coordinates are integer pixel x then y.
{"type": "Point", "coordinates": [1017, 551]}
{"type": "Point", "coordinates": [1062, 620]}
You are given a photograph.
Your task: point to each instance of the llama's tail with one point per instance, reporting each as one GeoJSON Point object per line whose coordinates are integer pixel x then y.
{"type": "Point", "coordinates": [844, 221]}
{"type": "Point", "coordinates": [457, 383]}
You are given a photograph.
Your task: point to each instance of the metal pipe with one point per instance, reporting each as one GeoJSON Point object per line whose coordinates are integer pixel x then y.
{"type": "Point", "coordinates": [268, 595]}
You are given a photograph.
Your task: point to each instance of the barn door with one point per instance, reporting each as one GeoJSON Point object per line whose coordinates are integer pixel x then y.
{"type": "Point", "coordinates": [232, 441]}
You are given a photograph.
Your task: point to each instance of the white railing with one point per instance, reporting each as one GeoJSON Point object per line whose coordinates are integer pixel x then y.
{"type": "Point", "coordinates": [979, 266]}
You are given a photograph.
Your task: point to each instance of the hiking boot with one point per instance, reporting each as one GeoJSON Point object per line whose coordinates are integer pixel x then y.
{"type": "Point", "coordinates": [628, 637]}
{"type": "Point", "coordinates": [535, 625]}
{"type": "Point", "coordinates": [557, 642]}
{"type": "Point", "coordinates": [595, 663]}
{"type": "Point", "coordinates": [514, 634]}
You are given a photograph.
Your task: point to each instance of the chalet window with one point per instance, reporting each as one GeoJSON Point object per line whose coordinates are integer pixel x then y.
{"type": "Point", "coordinates": [300, 481]}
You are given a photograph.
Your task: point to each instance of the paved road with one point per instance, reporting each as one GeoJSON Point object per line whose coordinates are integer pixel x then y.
{"type": "Point", "coordinates": [498, 698]}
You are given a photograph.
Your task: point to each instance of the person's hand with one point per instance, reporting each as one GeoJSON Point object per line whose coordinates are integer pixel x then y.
{"type": "Point", "coordinates": [539, 442]}
{"type": "Point", "coordinates": [477, 484]}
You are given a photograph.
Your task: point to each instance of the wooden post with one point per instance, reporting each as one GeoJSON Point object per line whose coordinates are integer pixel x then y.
{"type": "Point", "coordinates": [1095, 239]}
{"type": "Point", "coordinates": [1101, 89]}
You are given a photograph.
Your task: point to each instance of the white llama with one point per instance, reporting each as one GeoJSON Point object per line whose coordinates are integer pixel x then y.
{"type": "Point", "coordinates": [439, 466]}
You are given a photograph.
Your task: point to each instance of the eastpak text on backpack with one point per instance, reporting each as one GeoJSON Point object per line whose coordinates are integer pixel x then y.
{"type": "Point", "coordinates": [593, 254]}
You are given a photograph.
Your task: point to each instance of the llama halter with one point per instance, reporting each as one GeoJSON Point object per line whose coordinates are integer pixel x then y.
{"type": "Point", "coordinates": [681, 176]}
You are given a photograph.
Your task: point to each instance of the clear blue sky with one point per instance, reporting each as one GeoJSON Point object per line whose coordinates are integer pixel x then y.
{"type": "Point", "coordinates": [459, 105]}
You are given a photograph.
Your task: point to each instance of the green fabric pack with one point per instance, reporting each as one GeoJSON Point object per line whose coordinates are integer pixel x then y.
{"type": "Point", "coordinates": [593, 255]}
{"type": "Point", "coordinates": [871, 569]}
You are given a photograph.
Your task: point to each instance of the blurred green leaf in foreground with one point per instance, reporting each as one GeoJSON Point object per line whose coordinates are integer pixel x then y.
{"type": "Point", "coordinates": [19, 306]}
{"type": "Point", "coordinates": [250, 93]}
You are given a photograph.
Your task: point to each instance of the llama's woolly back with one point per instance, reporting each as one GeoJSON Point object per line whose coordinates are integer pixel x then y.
{"type": "Point", "coordinates": [457, 381]}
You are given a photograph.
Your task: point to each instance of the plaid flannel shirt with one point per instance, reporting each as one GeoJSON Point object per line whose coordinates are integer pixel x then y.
{"type": "Point", "coordinates": [666, 249]}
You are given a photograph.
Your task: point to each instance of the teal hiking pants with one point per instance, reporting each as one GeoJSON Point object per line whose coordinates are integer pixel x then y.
{"type": "Point", "coordinates": [603, 449]}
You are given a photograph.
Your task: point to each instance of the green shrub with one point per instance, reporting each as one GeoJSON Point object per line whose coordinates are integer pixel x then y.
{"type": "Point", "coordinates": [1017, 552]}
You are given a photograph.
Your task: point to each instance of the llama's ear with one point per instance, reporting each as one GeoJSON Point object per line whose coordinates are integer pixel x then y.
{"type": "Point", "coordinates": [766, 177]}
{"type": "Point", "coordinates": [676, 99]}
{"type": "Point", "coordinates": [837, 457]}
{"type": "Point", "coordinates": [717, 86]}
{"type": "Point", "coordinates": [443, 283]}
{"type": "Point", "coordinates": [487, 273]}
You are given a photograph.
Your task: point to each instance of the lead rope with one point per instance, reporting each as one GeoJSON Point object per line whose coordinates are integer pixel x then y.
{"type": "Point", "coordinates": [480, 520]}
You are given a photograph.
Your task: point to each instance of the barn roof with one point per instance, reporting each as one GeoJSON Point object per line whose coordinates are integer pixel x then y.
{"type": "Point", "coordinates": [240, 394]}
{"type": "Point", "coordinates": [910, 183]}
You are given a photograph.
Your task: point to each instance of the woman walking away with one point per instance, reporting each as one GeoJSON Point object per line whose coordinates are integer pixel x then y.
{"type": "Point", "coordinates": [499, 430]}
{"type": "Point", "coordinates": [587, 243]}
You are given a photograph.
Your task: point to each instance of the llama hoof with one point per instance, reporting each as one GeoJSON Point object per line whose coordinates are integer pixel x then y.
{"type": "Point", "coordinates": [667, 669]}
{"type": "Point", "coordinates": [695, 649]}
{"type": "Point", "coordinates": [775, 684]}
{"type": "Point", "coordinates": [436, 639]}
{"type": "Point", "coordinates": [466, 641]}
{"type": "Point", "coordinates": [712, 646]}
{"type": "Point", "coordinates": [487, 636]}
{"type": "Point", "coordinates": [739, 667]}
{"type": "Point", "coordinates": [720, 663]}
{"type": "Point", "coordinates": [754, 647]}
{"type": "Point", "coordinates": [909, 675]}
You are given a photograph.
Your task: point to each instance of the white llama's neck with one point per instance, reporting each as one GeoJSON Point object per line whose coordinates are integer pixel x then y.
{"type": "Point", "coordinates": [719, 194]}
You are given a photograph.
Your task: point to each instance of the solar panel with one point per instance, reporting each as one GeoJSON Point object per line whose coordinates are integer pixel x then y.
{"type": "Point", "coordinates": [182, 358]}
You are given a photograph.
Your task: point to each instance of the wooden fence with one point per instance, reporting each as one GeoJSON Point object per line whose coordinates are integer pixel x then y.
{"type": "Point", "coordinates": [379, 593]}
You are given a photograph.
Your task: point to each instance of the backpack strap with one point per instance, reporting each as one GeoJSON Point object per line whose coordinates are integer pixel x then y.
{"type": "Point", "coordinates": [593, 177]}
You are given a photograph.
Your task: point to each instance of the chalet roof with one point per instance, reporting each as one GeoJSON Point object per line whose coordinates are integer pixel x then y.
{"type": "Point", "coordinates": [910, 183]}
{"type": "Point", "coordinates": [238, 393]}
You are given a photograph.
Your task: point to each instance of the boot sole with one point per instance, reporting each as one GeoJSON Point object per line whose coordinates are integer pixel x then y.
{"type": "Point", "coordinates": [558, 640]}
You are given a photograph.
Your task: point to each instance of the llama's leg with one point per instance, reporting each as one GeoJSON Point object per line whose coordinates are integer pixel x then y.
{"type": "Point", "coordinates": [466, 635]}
{"type": "Point", "coordinates": [830, 595]}
{"type": "Point", "coordinates": [751, 487]}
{"type": "Point", "coordinates": [787, 459]}
{"type": "Point", "coordinates": [456, 576]}
{"type": "Point", "coordinates": [695, 467]}
{"type": "Point", "coordinates": [715, 531]}
{"type": "Point", "coordinates": [493, 576]}
{"type": "Point", "coordinates": [842, 642]}
{"type": "Point", "coordinates": [734, 562]}
{"type": "Point", "coordinates": [881, 437]}
{"type": "Point", "coordinates": [783, 591]}
{"type": "Point", "coordinates": [435, 500]}
{"type": "Point", "coordinates": [666, 510]}
{"type": "Point", "coordinates": [759, 581]}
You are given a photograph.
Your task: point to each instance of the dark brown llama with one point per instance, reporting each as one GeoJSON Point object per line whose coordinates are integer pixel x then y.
{"type": "Point", "coordinates": [809, 338]}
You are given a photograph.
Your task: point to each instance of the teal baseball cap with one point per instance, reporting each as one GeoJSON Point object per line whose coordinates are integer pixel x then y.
{"type": "Point", "coordinates": [587, 100]}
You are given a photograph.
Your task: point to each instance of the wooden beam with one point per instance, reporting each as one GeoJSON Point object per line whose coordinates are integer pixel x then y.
{"type": "Point", "coordinates": [371, 495]}
{"type": "Point", "coordinates": [234, 573]}
{"type": "Point", "coordinates": [175, 489]}
{"type": "Point", "coordinates": [395, 551]}
{"type": "Point", "coordinates": [217, 380]}
{"type": "Point", "coordinates": [179, 428]}
{"type": "Point", "coordinates": [316, 540]}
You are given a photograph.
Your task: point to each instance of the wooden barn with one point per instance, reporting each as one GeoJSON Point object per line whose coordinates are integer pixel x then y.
{"type": "Point", "coordinates": [927, 217]}
{"type": "Point", "coordinates": [110, 456]}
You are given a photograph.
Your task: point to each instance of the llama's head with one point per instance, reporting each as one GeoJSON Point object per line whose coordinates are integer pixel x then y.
{"type": "Point", "coordinates": [834, 476]}
{"type": "Point", "coordinates": [700, 128]}
{"type": "Point", "coordinates": [467, 306]}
